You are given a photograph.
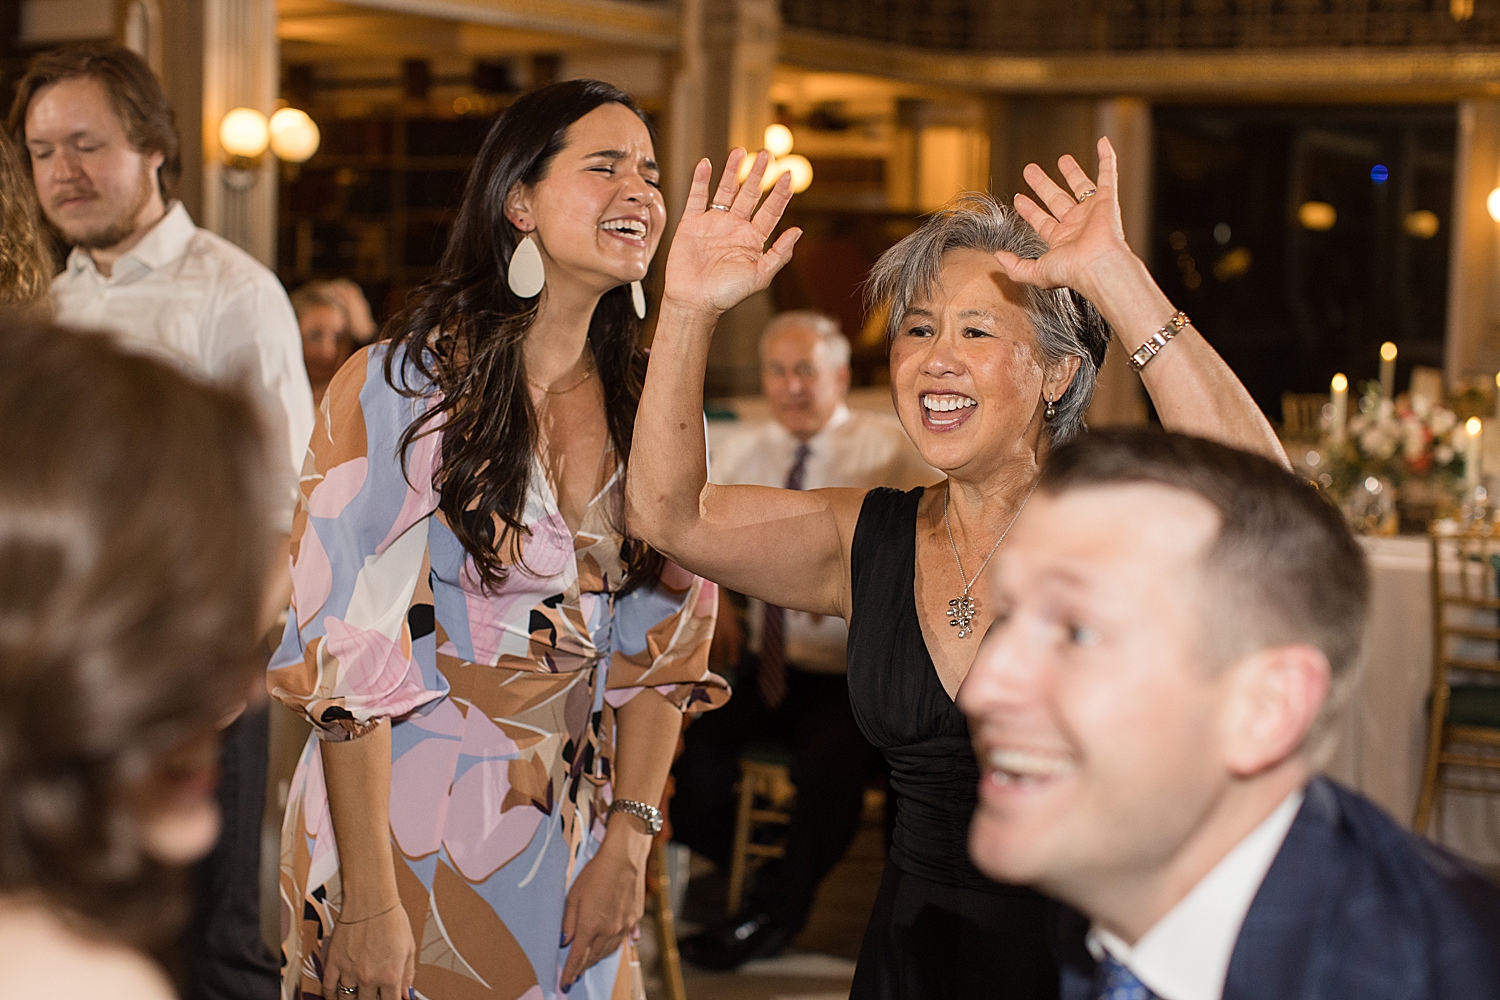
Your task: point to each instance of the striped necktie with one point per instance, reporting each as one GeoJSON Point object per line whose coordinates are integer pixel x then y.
{"type": "Point", "coordinates": [1114, 981]}
{"type": "Point", "coordinates": [772, 676]}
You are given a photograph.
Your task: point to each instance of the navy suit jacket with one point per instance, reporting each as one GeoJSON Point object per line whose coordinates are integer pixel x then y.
{"type": "Point", "coordinates": [1354, 907]}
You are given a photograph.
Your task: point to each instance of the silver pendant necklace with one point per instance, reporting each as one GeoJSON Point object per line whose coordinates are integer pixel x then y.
{"type": "Point", "coordinates": [962, 609]}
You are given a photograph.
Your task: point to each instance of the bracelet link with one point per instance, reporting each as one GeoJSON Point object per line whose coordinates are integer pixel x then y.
{"type": "Point", "coordinates": [1154, 343]}
{"type": "Point", "coordinates": [648, 814]}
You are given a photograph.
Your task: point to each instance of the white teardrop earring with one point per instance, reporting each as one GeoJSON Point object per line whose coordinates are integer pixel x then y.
{"type": "Point", "coordinates": [638, 299]}
{"type": "Point", "coordinates": [526, 276]}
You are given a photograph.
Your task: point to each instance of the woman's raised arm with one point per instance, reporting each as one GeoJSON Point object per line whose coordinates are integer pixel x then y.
{"type": "Point", "coordinates": [782, 546]}
{"type": "Point", "coordinates": [1193, 390]}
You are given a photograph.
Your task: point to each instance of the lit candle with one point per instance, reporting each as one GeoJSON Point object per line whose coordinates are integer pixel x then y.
{"type": "Point", "coordinates": [1340, 399]}
{"type": "Point", "coordinates": [1474, 427]}
{"type": "Point", "coordinates": [1388, 370]}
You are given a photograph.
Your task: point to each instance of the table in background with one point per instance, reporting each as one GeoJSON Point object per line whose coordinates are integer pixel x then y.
{"type": "Point", "coordinates": [1383, 739]}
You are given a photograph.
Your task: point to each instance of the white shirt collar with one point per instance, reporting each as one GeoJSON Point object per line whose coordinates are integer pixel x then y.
{"type": "Point", "coordinates": [839, 418]}
{"type": "Point", "coordinates": [1185, 955]}
{"type": "Point", "coordinates": [167, 241]}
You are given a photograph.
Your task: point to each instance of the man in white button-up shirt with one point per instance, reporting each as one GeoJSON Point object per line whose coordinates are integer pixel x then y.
{"type": "Point", "coordinates": [790, 689]}
{"type": "Point", "coordinates": [1180, 624]}
{"type": "Point", "coordinates": [103, 152]}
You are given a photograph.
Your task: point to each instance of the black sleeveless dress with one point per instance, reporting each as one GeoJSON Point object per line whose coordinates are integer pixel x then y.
{"type": "Point", "coordinates": [940, 929]}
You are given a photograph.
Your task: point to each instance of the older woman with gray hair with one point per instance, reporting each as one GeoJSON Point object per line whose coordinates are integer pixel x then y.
{"type": "Point", "coordinates": [998, 324]}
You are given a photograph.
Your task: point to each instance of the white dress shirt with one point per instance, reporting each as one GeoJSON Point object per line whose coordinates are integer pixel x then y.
{"type": "Point", "coordinates": [1185, 955]}
{"type": "Point", "coordinates": [195, 299]}
{"type": "Point", "coordinates": [855, 448]}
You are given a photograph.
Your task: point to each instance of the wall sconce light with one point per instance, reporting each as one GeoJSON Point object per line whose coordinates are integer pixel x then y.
{"type": "Point", "coordinates": [1421, 224]}
{"type": "Point", "coordinates": [1318, 216]}
{"type": "Point", "coordinates": [294, 135]}
{"type": "Point", "coordinates": [778, 142]}
{"type": "Point", "coordinates": [244, 136]}
{"type": "Point", "coordinates": [1493, 204]}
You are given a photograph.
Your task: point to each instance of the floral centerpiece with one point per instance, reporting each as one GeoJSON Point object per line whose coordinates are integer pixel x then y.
{"type": "Point", "coordinates": [1410, 443]}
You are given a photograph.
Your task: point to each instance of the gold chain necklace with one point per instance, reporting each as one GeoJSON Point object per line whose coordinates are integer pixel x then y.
{"type": "Point", "coordinates": [962, 609]}
{"type": "Point", "coordinates": [563, 392]}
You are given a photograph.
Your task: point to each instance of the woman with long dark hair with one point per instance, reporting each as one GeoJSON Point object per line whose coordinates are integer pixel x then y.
{"type": "Point", "coordinates": [496, 669]}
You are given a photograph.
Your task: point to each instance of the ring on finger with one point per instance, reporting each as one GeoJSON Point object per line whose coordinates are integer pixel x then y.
{"type": "Point", "coordinates": [348, 991]}
{"type": "Point", "coordinates": [1087, 195]}
{"type": "Point", "coordinates": [719, 208]}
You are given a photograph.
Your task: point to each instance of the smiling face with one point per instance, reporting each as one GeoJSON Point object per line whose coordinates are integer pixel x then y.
{"type": "Point", "coordinates": [1097, 720]}
{"type": "Point", "coordinates": [597, 215]}
{"type": "Point", "coordinates": [967, 379]}
{"type": "Point", "coordinates": [802, 384]}
{"type": "Point", "coordinates": [92, 184]}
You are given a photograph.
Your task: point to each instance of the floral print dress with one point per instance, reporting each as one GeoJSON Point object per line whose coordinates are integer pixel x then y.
{"type": "Point", "coordinates": [502, 704]}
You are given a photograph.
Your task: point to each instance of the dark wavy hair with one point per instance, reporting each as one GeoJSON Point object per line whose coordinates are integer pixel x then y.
{"type": "Point", "coordinates": [135, 539]}
{"type": "Point", "coordinates": [135, 92]}
{"type": "Point", "coordinates": [464, 330]}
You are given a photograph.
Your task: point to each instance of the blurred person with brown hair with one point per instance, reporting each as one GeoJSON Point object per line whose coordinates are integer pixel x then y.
{"type": "Point", "coordinates": [335, 320]}
{"type": "Point", "coordinates": [103, 153]}
{"type": "Point", "coordinates": [25, 271]}
{"type": "Point", "coordinates": [135, 544]}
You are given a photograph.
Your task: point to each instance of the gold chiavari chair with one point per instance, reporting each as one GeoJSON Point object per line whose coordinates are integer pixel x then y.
{"type": "Point", "coordinates": [1302, 415]}
{"type": "Point", "coordinates": [1464, 739]}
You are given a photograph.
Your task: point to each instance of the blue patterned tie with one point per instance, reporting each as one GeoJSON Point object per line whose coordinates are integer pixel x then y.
{"type": "Point", "coordinates": [1113, 981]}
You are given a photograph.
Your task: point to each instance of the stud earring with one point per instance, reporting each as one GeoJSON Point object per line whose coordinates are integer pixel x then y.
{"type": "Point", "coordinates": [526, 276]}
{"type": "Point", "coordinates": [638, 299]}
{"type": "Point", "coordinates": [1051, 410]}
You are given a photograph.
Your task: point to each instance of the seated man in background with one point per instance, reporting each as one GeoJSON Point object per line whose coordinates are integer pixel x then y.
{"type": "Point", "coordinates": [335, 321]}
{"type": "Point", "coordinates": [790, 687]}
{"type": "Point", "coordinates": [1179, 625]}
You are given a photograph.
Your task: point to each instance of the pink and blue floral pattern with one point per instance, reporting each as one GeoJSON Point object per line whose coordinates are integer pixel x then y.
{"type": "Point", "coordinates": [502, 703]}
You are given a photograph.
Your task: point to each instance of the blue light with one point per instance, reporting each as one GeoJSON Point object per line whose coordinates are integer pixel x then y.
{"type": "Point", "coordinates": [1379, 173]}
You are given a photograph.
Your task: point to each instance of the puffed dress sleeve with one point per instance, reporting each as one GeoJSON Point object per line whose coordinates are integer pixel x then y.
{"type": "Point", "coordinates": [662, 632]}
{"type": "Point", "coordinates": [360, 563]}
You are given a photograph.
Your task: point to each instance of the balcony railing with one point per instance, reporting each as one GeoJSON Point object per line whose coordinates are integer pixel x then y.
{"type": "Point", "coordinates": [1053, 27]}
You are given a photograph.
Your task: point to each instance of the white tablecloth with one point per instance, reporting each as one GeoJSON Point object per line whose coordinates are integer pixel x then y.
{"type": "Point", "coordinates": [1383, 741]}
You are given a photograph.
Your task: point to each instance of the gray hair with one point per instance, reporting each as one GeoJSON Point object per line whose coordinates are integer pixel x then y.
{"type": "Point", "coordinates": [830, 334]}
{"type": "Point", "coordinates": [1066, 324]}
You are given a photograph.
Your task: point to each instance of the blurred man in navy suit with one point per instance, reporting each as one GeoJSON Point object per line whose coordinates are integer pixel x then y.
{"type": "Point", "coordinates": [1177, 626]}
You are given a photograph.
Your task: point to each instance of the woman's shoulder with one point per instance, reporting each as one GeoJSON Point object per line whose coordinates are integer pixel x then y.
{"type": "Point", "coordinates": [885, 534]}
{"type": "Point", "coordinates": [44, 958]}
{"type": "Point", "coordinates": [375, 364]}
{"type": "Point", "coordinates": [377, 392]}
{"type": "Point", "coordinates": [886, 502]}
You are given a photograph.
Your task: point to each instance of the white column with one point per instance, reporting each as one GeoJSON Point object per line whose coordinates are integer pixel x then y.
{"type": "Point", "coordinates": [240, 68]}
{"type": "Point", "coordinates": [1474, 256]}
{"type": "Point", "coordinates": [720, 99]}
{"type": "Point", "coordinates": [1118, 397]}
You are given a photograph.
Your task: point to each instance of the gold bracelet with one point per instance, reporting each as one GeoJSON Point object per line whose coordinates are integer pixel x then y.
{"type": "Point", "coordinates": [1158, 340]}
{"type": "Point", "coordinates": [372, 916]}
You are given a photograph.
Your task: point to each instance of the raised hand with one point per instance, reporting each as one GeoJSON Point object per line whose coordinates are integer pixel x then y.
{"type": "Point", "coordinates": [718, 256]}
{"type": "Point", "coordinates": [1082, 228]}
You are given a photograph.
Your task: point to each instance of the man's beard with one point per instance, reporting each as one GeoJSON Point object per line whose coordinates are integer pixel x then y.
{"type": "Point", "coordinates": [119, 229]}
